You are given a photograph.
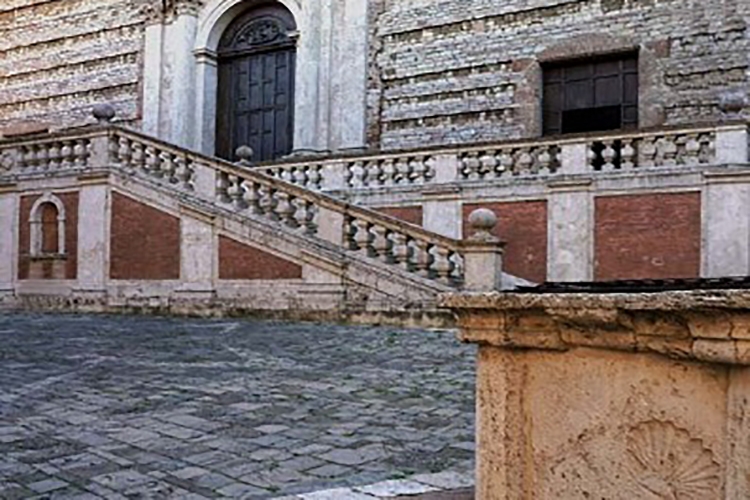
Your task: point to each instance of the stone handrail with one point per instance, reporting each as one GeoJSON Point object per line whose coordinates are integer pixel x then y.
{"type": "Point", "coordinates": [587, 154]}
{"type": "Point", "coordinates": [356, 229]}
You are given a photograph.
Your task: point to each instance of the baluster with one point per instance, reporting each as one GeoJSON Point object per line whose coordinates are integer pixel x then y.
{"type": "Point", "coordinates": [429, 172]}
{"type": "Point", "coordinates": [388, 172]}
{"type": "Point", "coordinates": [124, 152]}
{"type": "Point", "coordinates": [369, 176]}
{"type": "Point", "coordinates": [487, 163]}
{"type": "Point", "coordinates": [315, 177]}
{"type": "Point", "coordinates": [647, 152]}
{"type": "Point", "coordinates": [418, 169]}
{"type": "Point", "coordinates": [380, 243]}
{"type": "Point", "coordinates": [457, 262]}
{"type": "Point", "coordinates": [222, 187]}
{"type": "Point", "coordinates": [285, 209]}
{"type": "Point", "coordinates": [304, 215]}
{"type": "Point", "coordinates": [362, 236]}
{"type": "Point", "coordinates": [524, 162]}
{"type": "Point", "coordinates": [505, 164]}
{"type": "Point", "coordinates": [608, 155]}
{"type": "Point", "coordinates": [400, 249]}
{"type": "Point", "coordinates": [286, 174]}
{"type": "Point", "coordinates": [300, 176]}
{"type": "Point", "coordinates": [472, 167]}
{"type": "Point", "coordinates": [253, 197]}
{"type": "Point", "coordinates": [708, 153]}
{"type": "Point", "coordinates": [591, 156]}
{"type": "Point", "coordinates": [55, 155]}
{"type": "Point", "coordinates": [627, 154]}
{"type": "Point", "coordinates": [270, 202]}
{"type": "Point", "coordinates": [152, 162]}
{"type": "Point", "coordinates": [183, 173]}
{"type": "Point", "coordinates": [80, 153]}
{"type": "Point", "coordinates": [692, 150]}
{"type": "Point", "coordinates": [167, 166]}
{"type": "Point", "coordinates": [235, 191]}
{"type": "Point", "coordinates": [422, 258]}
{"type": "Point", "coordinates": [67, 154]}
{"type": "Point", "coordinates": [42, 157]}
{"type": "Point", "coordinates": [668, 151]}
{"type": "Point", "coordinates": [441, 264]}
{"type": "Point", "coordinates": [358, 175]}
{"type": "Point", "coordinates": [544, 159]}
{"type": "Point", "coordinates": [138, 158]}
{"type": "Point", "coordinates": [402, 171]}
{"type": "Point", "coordinates": [30, 156]}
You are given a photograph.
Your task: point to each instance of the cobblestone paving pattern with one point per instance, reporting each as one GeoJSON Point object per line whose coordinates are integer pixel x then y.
{"type": "Point", "coordinates": [142, 407]}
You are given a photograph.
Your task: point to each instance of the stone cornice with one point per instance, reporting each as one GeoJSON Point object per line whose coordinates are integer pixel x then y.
{"type": "Point", "coordinates": [707, 326]}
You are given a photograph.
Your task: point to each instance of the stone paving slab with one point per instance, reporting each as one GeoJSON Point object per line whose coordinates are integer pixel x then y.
{"type": "Point", "coordinates": [112, 407]}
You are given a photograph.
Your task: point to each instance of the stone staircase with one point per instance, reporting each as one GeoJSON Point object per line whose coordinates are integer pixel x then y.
{"type": "Point", "coordinates": [354, 263]}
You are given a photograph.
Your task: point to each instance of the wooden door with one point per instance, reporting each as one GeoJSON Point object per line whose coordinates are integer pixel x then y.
{"type": "Point", "coordinates": [256, 85]}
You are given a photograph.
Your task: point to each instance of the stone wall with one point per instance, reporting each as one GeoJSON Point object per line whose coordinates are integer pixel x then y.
{"type": "Point", "coordinates": [57, 58]}
{"type": "Point", "coordinates": [459, 71]}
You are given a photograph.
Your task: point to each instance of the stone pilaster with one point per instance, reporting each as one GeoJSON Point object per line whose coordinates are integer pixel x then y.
{"type": "Point", "coordinates": [198, 254]}
{"type": "Point", "coordinates": [9, 206]}
{"type": "Point", "coordinates": [94, 218]}
{"type": "Point", "coordinates": [725, 218]}
{"type": "Point", "coordinates": [570, 231]}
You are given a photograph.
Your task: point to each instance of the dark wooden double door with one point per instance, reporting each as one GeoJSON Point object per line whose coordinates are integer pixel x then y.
{"type": "Point", "coordinates": [256, 93]}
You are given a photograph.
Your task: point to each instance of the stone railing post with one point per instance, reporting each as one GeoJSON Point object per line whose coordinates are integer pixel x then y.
{"type": "Point", "coordinates": [574, 158]}
{"type": "Point", "coordinates": [204, 181]}
{"type": "Point", "coordinates": [732, 145]}
{"type": "Point", "coordinates": [446, 168]}
{"type": "Point", "coordinates": [331, 226]}
{"type": "Point", "coordinates": [9, 206]}
{"type": "Point", "coordinates": [483, 254]}
{"type": "Point", "coordinates": [334, 176]}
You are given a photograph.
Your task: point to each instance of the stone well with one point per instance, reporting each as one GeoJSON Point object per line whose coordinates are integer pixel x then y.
{"type": "Point", "coordinates": [611, 395]}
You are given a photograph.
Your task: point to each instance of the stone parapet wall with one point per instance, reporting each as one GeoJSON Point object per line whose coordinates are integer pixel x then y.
{"type": "Point", "coordinates": [610, 395]}
{"type": "Point", "coordinates": [461, 71]}
{"type": "Point", "coordinates": [57, 58]}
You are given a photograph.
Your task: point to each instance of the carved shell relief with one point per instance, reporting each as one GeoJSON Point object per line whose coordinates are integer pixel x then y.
{"type": "Point", "coordinates": [654, 460]}
{"type": "Point", "coordinates": [668, 463]}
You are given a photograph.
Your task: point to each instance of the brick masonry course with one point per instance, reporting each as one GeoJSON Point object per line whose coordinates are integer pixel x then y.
{"type": "Point", "coordinates": [101, 406]}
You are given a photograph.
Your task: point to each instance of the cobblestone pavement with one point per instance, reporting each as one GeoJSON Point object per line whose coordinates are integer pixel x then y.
{"type": "Point", "coordinates": [141, 407]}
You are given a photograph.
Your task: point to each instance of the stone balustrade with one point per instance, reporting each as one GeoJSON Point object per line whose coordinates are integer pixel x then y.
{"type": "Point", "coordinates": [590, 154]}
{"type": "Point", "coordinates": [278, 200]}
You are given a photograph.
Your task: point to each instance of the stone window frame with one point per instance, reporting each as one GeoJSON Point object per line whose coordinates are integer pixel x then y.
{"type": "Point", "coordinates": [596, 45]}
{"type": "Point", "coordinates": [36, 230]}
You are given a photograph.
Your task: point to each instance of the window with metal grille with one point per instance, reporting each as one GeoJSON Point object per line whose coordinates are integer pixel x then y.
{"type": "Point", "coordinates": [591, 95]}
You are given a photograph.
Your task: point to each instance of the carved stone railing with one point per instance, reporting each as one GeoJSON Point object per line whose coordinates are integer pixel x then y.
{"type": "Point", "coordinates": [589, 154]}
{"type": "Point", "coordinates": [247, 191]}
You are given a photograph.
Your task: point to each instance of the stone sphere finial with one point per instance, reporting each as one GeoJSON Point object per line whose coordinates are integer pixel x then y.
{"type": "Point", "coordinates": [244, 155]}
{"type": "Point", "coordinates": [482, 221]}
{"type": "Point", "coordinates": [104, 113]}
{"type": "Point", "coordinates": [732, 103]}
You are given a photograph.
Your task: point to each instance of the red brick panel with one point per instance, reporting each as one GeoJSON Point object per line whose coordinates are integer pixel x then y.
{"type": "Point", "coordinates": [242, 262]}
{"type": "Point", "coordinates": [522, 226]}
{"type": "Point", "coordinates": [70, 202]}
{"type": "Point", "coordinates": [648, 236]}
{"type": "Point", "coordinates": [407, 214]}
{"type": "Point", "coordinates": [145, 242]}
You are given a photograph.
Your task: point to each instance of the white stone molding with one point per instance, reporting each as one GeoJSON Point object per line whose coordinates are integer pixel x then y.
{"type": "Point", "coordinates": [94, 221]}
{"type": "Point", "coordinates": [35, 224]}
{"type": "Point", "coordinates": [9, 202]}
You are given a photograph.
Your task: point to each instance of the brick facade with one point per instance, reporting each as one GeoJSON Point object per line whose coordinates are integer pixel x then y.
{"type": "Point", "coordinates": [461, 71]}
{"type": "Point", "coordinates": [647, 236]}
{"type": "Point", "coordinates": [243, 262]}
{"type": "Point", "coordinates": [412, 214]}
{"type": "Point", "coordinates": [59, 58]}
{"type": "Point", "coordinates": [523, 227]}
{"type": "Point", "coordinates": [70, 202]}
{"type": "Point", "coordinates": [145, 242]}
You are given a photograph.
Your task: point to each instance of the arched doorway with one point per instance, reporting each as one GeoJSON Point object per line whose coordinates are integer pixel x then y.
{"type": "Point", "coordinates": [255, 104]}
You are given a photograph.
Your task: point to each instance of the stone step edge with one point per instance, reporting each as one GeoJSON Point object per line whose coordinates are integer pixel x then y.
{"type": "Point", "coordinates": [417, 484]}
